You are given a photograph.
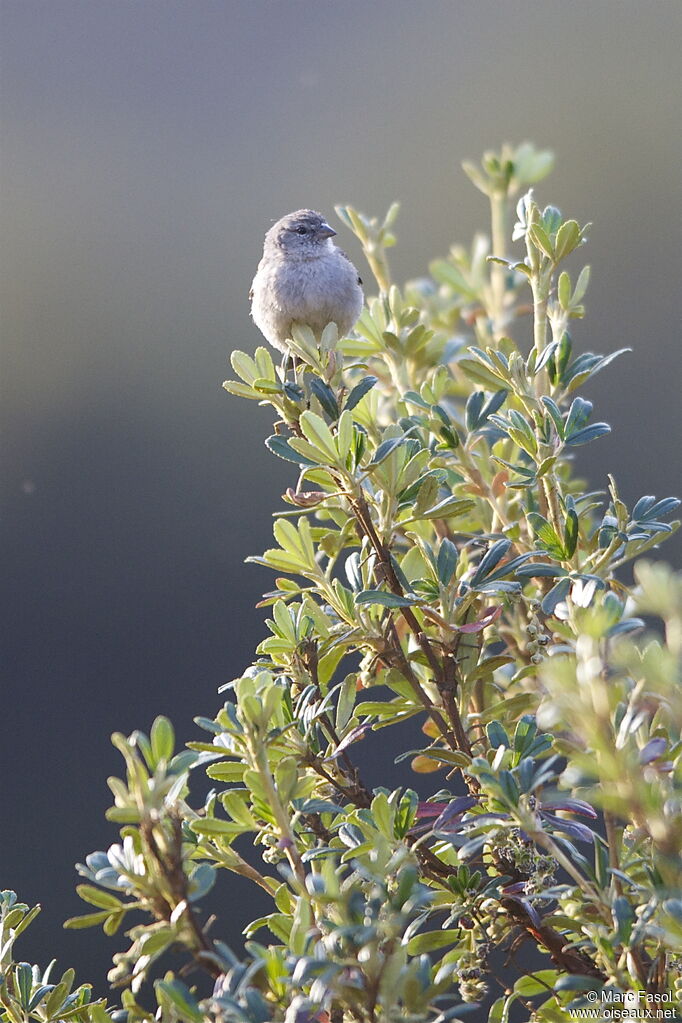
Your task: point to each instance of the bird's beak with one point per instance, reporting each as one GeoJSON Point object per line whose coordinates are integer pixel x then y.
{"type": "Point", "coordinates": [325, 231]}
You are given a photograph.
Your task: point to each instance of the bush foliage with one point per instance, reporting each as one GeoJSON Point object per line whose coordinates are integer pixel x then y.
{"type": "Point", "coordinates": [438, 563]}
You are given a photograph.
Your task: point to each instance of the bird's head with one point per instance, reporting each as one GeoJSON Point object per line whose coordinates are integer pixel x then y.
{"type": "Point", "coordinates": [304, 234]}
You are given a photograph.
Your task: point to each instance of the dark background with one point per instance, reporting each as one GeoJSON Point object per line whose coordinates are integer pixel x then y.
{"type": "Point", "coordinates": [146, 148]}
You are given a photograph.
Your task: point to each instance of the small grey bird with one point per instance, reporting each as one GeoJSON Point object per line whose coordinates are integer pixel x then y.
{"type": "Point", "coordinates": [303, 278]}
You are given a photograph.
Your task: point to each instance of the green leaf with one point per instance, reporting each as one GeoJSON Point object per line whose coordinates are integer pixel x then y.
{"type": "Point", "coordinates": [324, 395]}
{"type": "Point", "coordinates": [265, 386]}
{"type": "Point", "coordinates": [498, 1011]}
{"type": "Point", "coordinates": [446, 272]}
{"type": "Point", "coordinates": [546, 534]}
{"type": "Point", "coordinates": [447, 561]}
{"type": "Point", "coordinates": [162, 739]}
{"type": "Point", "coordinates": [523, 428]}
{"type": "Point", "coordinates": [446, 756]}
{"type": "Point", "coordinates": [432, 940]}
{"type": "Point", "coordinates": [226, 770]}
{"type": "Point", "coordinates": [294, 392]}
{"type": "Point", "coordinates": [311, 455]}
{"type": "Point", "coordinates": [589, 433]}
{"type": "Point", "coordinates": [317, 433]}
{"type": "Point", "coordinates": [509, 787]}
{"type": "Point", "coordinates": [567, 239]}
{"type": "Point", "coordinates": [23, 975]}
{"type": "Point", "coordinates": [264, 363]}
{"type": "Point", "coordinates": [212, 827]}
{"type": "Point", "coordinates": [25, 922]}
{"type": "Point", "coordinates": [624, 918]}
{"type": "Point", "coordinates": [39, 993]}
{"type": "Point", "coordinates": [446, 509]}
{"type": "Point", "coordinates": [56, 1000]}
{"type": "Point", "coordinates": [537, 983]}
{"type": "Point", "coordinates": [486, 667]}
{"type": "Point", "coordinates": [581, 285]}
{"type": "Point", "coordinates": [97, 897]}
{"type": "Point", "coordinates": [492, 405]}
{"type": "Point", "coordinates": [359, 392]}
{"type": "Point", "coordinates": [570, 533]}
{"type": "Point", "coordinates": [386, 448]}
{"type": "Point", "coordinates": [531, 165]}
{"type": "Point", "coordinates": [473, 409]}
{"type": "Point", "coordinates": [555, 413]}
{"type": "Point", "coordinates": [539, 569]}
{"type": "Point", "coordinates": [551, 219]}
{"type": "Point", "coordinates": [509, 707]}
{"type": "Point", "coordinates": [555, 596]}
{"type": "Point", "coordinates": [155, 941]}
{"type": "Point", "coordinates": [235, 802]}
{"type": "Point", "coordinates": [564, 290]}
{"type": "Point", "coordinates": [278, 924]}
{"type": "Point", "coordinates": [76, 923]}
{"type": "Point", "coordinates": [296, 540]}
{"type": "Point", "coordinates": [347, 694]}
{"type": "Point", "coordinates": [241, 390]}
{"type": "Point", "coordinates": [180, 997]}
{"type": "Point", "coordinates": [541, 240]}
{"type": "Point", "coordinates": [280, 446]}
{"type": "Point", "coordinates": [578, 414]}
{"type": "Point", "coordinates": [98, 1013]}
{"type": "Point", "coordinates": [490, 560]}
{"type": "Point", "coordinates": [480, 374]}
{"type": "Point", "coordinates": [546, 354]}
{"type": "Point", "coordinates": [383, 598]}
{"type": "Point", "coordinates": [476, 177]}
{"type": "Point", "coordinates": [345, 436]}
{"type": "Point", "coordinates": [427, 494]}
{"type": "Point", "coordinates": [244, 366]}
{"type": "Point", "coordinates": [521, 440]}
{"type": "Point", "coordinates": [577, 982]}
{"type": "Point", "coordinates": [497, 735]}
{"type": "Point", "coordinates": [545, 465]}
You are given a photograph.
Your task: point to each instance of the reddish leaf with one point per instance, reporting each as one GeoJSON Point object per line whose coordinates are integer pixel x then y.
{"type": "Point", "coordinates": [481, 623]}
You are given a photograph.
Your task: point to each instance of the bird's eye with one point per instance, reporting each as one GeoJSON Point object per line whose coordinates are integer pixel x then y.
{"type": "Point", "coordinates": [301, 230]}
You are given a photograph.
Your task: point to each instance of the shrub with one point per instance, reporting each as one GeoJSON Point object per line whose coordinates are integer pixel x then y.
{"type": "Point", "coordinates": [441, 565]}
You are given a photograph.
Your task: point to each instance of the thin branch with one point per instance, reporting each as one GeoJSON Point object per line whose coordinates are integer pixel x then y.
{"type": "Point", "coordinates": [456, 735]}
{"type": "Point", "coordinates": [568, 959]}
{"type": "Point", "coordinates": [171, 867]}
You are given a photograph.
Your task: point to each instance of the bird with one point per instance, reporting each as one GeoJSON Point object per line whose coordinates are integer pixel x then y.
{"type": "Point", "coordinates": [304, 279]}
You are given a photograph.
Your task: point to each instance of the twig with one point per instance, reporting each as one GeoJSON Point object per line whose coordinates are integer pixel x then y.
{"type": "Point", "coordinates": [171, 868]}
{"type": "Point", "coordinates": [455, 736]}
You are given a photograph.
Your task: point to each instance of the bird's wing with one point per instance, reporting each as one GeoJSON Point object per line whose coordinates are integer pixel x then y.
{"type": "Point", "coordinates": [251, 291]}
{"type": "Point", "coordinates": [342, 253]}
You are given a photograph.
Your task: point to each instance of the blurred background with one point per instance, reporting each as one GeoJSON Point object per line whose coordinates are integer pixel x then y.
{"type": "Point", "coordinates": [146, 148]}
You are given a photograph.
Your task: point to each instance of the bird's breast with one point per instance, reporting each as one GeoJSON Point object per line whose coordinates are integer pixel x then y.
{"type": "Point", "coordinates": [314, 292]}
{"type": "Point", "coordinates": [319, 285]}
